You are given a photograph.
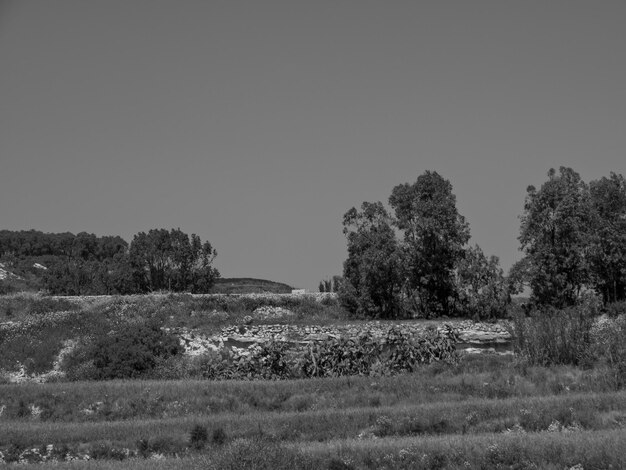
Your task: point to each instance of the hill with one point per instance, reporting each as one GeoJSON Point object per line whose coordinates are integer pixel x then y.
{"type": "Point", "coordinates": [246, 285]}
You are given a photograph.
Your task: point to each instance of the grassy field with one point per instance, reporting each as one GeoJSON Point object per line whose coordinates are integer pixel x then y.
{"type": "Point", "coordinates": [483, 413]}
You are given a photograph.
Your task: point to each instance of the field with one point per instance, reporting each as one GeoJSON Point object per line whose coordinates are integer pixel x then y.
{"type": "Point", "coordinates": [483, 411]}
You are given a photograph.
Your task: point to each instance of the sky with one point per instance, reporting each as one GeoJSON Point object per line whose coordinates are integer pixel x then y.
{"type": "Point", "coordinates": [257, 124]}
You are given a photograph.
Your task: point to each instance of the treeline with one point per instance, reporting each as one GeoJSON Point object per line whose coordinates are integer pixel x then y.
{"type": "Point", "coordinates": [415, 260]}
{"type": "Point", "coordinates": [85, 264]}
{"type": "Point", "coordinates": [330, 285]}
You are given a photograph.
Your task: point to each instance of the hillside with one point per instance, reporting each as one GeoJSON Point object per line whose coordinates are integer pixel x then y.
{"type": "Point", "coordinates": [246, 285]}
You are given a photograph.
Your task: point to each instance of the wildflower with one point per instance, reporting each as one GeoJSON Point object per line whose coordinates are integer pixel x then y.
{"type": "Point", "coordinates": [555, 426]}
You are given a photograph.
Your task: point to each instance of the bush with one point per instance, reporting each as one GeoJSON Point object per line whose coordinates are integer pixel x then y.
{"type": "Point", "coordinates": [131, 351]}
{"type": "Point", "coordinates": [218, 437]}
{"type": "Point", "coordinates": [198, 437]}
{"type": "Point", "coordinates": [609, 347]}
{"type": "Point", "coordinates": [550, 336]}
{"type": "Point", "coordinates": [616, 309]}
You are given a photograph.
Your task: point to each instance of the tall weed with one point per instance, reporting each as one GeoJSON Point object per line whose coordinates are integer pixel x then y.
{"type": "Point", "coordinates": [549, 336]}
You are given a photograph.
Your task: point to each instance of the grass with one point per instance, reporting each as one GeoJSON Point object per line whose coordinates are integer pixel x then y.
{"type": "Point", "coordinates": [476, 377]}
{"type": "Point", "coordinates": [534, 414]}
{"type": "Point", "coordinates": [589, 449]}
{"type": "Point", "coordinates": [487, 412]}
{"type": "Point", "coordinates": [438, 417]}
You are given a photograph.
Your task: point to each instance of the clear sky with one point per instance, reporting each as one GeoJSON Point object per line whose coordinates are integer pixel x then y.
{"type": "Point", "coordinates": [257, 124]}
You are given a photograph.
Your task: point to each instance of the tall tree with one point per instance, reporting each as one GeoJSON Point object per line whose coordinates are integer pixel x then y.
{"type": "Point", "coordinates": [483, 291]}
{"type": "Point", "coordinates": [608, 259]}
{"type": "Point", "coordinates": [555, 235]}
{"type": "Point", "coordinates": [170, 260]}
{"type": "Point", "coordinates": [371, 275]}
{"type": "Point", "coordinates": [434, 236]}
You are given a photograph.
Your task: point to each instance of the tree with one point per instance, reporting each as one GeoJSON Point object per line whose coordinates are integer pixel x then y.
{"type": "Point", "coordinates": [608, 258]}
{"type": "Point", "coordinates": [372, 273]}
{"type": "Point", "coordinates": [170, 260]}
{"type": "Point", "coordinates": [483, 292]}
{"type": "Point", "coordinates": [555, 236]}
{"type": "Point", "coordinates": [336, 283]}
{"type": "Point", "coordinates": [434, 236]}
{"type": "Point", "coordinates": [519, 277]}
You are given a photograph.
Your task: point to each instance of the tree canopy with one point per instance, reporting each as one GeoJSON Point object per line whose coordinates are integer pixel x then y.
{"type": "Point", "coordinates": [171, 260]}
{"type": "Point", "coordinates": [372, 272]}
{"type": "Point", "coordinates": [84, 263]}
{"type": "Point", "coordinates": [415, 263]}
{"type": "Point", "coordinates": [554, 235]}
{"type": "Point", "coordinates": [573, 236]}
{"type": "Point", "coordinates": [434, 236]}
{"type": "Point", "coordinates": [608, 253]}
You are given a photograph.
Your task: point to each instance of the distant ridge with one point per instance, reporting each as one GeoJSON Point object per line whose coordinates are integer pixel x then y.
{"type": "Point", "coordinates": [247, 285]}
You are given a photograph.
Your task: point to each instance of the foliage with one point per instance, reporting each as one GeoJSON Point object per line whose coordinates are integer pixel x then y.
{"type": "Point", "coordinates": [130, 351]}
{"type": "Point", "coordinates": [519, 276]}
{"type": "Point", "coordinates": [170, 260]}
{"type": "Point", "coordinates": [372, 271]}
{"type": "Point", "coordinates": [245, 285]}
{"type": "Point", "coordinates": [198, 437]}
{"type": "Point", "coordinates": [219, 437]}
{"type": "Point", "coordinates": [609, 347]}
{"type": "Point", "coordinates": [330, 285]}
{"type": "Point", "coordinates": [482, 289]}
{"type": "Point", "coordinates": [367, 355]}
{"type": "Point", "coordinates": [434, 236]}
{"type": "Point", "coordinates": [615, 309]}
{"type": "Point", "coordinates": [608, 257]}
{"type": "Point", "coordinates": [416, 264]}
{"type": "Point", "coordinates": [35, 343]}
{"type": "Point", "coordinates": [555, 234]}
{"type": "Point", "coordinates": [85, 264]}
{"type": "Point", "coordinates": [556, 336]}
{"type": "Point", "coordinates": [335, 357]}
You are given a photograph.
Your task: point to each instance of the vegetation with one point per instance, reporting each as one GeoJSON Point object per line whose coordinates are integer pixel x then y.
{"type": "Point", "coordinates": [573, 238]}
{"type": "Point", "coordinates": [608, 256]}
{"type": "Point", "coordinates": [365, 422]}
{"type": "Point", "coordinates": [249, 286]}
{"type": "Point", "coordinates": [548, 336]}
{"type": "Point", "coordinates": [427, 272]}
{"type": "Point", "coordinates": [417, 262]}
{"type": "Point", "coordinates": [330, 285]}
{"type": "Point", "coordinates": [84, 264]}
{"type": "Point", "coordinates": [172, 261]}
{"type": "Point", "coordinates": [397, 401]}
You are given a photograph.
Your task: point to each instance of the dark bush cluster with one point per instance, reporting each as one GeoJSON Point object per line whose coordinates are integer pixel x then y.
{"type": "Point", "coordinates": [131, 351]}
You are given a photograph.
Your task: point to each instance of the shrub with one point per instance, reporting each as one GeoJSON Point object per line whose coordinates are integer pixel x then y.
{"type": "Point", "coordinates": [615, 309]}
{"type": "Point", "coordinates": [106, 450]}
{"type": "Point", "coordinates": [132, 351]}
{"type": "Point", "coordinates": [609, 347]}
{"type": "Point", "coordinates": [198, 437]}
{"type": "Point", "coordinates": [218, 437]}
{"type": "Point", "coordinates": [552, 336]}
{"type": "Point", "coordinates": [160, 445]}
